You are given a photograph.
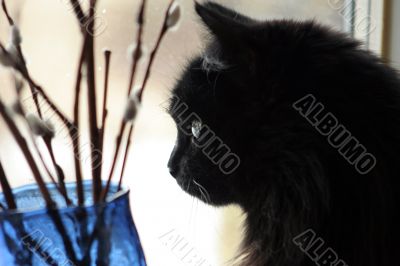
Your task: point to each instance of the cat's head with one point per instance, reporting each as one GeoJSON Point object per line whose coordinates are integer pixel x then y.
{"type": "Point", "coordinates": [224, 97]}
{"type": "Point", "coordinates": [206, 106]}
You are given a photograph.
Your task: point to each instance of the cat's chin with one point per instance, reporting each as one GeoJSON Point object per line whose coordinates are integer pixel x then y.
{"type": "Point", "coordinates": [197, 190]}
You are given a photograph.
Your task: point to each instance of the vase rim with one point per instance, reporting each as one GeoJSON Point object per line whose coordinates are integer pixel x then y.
{"type": "Point", "coordinates": [117, 196]}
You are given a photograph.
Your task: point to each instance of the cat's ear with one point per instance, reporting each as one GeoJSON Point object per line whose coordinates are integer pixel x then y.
{"type": "Point", "coordinates": [225, 24]}
{"type": "Point", "coordinates": [234, 32]}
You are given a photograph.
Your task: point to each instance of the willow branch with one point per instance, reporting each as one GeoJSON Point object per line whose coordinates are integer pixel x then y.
{"type": "Point", "coordinates": [22, 58]}
{"type": "Point", "coordinates": [135, 62]}
{"type": "Point", "coordinates": [107, 58]}
{"type": "Point", "coordinates": [62, 191]}
{"type": "Point", "coordinates": [24, 147]}
{"type": "Point", "coordinates": [91, 84]}
{"type": "Point", "coordinates": [154, 52]}
{"type": "Point", "coordinates": [31, 86]}
{"type": "Point", "coordinates": [28, 156]}
{"type": "Point", "coordinates": [76, 139]}
{"type": "Point", "coordinates": [140, 94]}
{"type": "Point", "coordinates": [7, 191]}
{"type": "Point", "coordinates": [80, 15]}
{"type": "Point", "coordinates": [59, 171]}
{"type": "Point", "coordinates": [139, 39]}
{"type": "Point", "coordinates": [114, 162]}
{"type": "Point", "coordinates": [144, 84]}
{"type": "Point", "coordinates": [39, 180]}
{"type": "Point", "coordinates": [47, 141]}
{"type": "Point", "coordinates": [4, 6]}
{"type": "Point", "coordinates": [67, 123]}
{"type": "Point", "coordinates": [126, 154]}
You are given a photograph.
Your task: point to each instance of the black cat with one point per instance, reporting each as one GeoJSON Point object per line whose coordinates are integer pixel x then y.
{"type": "Point", "coordinates": [299, 126]}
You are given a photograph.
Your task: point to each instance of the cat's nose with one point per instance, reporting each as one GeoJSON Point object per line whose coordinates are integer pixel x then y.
{"type": "Point", "coordinates": [173, 163]}
{"type": "Point", "coordinates": [173, 171]}
{"type": "Point", "coordinates": [173, 167]}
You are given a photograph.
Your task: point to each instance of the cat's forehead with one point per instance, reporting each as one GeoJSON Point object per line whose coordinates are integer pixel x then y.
{"type": "Point", "coordinates": [192, 93]}
{"type": "Point", "coordinates": [180, 111]}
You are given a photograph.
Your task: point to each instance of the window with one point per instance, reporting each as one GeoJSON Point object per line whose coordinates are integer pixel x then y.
{"type": "Point", "coordinates": [51, 43]}
{"type": "Point", "coordinates": [368, 23]}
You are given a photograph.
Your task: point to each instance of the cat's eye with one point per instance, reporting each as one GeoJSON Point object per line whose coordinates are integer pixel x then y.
{"type": "Point", "coordinates": [196, 128]}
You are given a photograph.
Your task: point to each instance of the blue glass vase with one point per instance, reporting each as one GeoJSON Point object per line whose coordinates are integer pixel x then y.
{"type": "Point", "coordinates": [102, 234]}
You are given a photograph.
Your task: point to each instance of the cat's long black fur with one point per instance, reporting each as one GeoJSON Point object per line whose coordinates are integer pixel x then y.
{"type": "Point", "coordinates": [290, 179]}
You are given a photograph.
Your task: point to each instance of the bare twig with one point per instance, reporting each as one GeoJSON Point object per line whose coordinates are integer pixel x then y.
{"type": "Point", "coordinates": [80, 15]}
{"type": "Point", "coordinates": [7, 191]}
{"type": "Point", "coordinates": [136, 55]}
{"type": "Point", "coordinates": [128, 144]}
{"type": "Point", "coordinates": [144, 85]}
{"type": "Point", "coordinates": [59, 171]}
{"type": "Point", "coordinates": [155, 50]}
{"type": "Point", "coordinates": [31, 86]}
{"type": "Point", "coordinates": [76, 139]}
{"type": "Point", "coordinates": [140, 94]}
{"type": "Point", "coordinates": [94, 130]}
{"type": "Point", "coordinates": [126, 154]}
{"type": "Point", "coordinates": [72, 129]}
{"type": "Point", "coordinates": [47, 141]}
{"type": "Point", "coordinates": [13, 128]}
{"type": "Point", "coordinates": [62, 190]}
{"type": "Point", "coordinates": [39, 180]}
{"type": "Point", "coordinates": [114, 162]}
{"type": "Point", "coordinates": [22, 58]}
{"type": "Point", "coordinates": [21, 67]}
{"type": "Point", "coordinates": [28, 156]}
{"type": "Point", "coordinates": [135, 62]}
{"type": "Point", "coordinates": [10, 20]}
{"type": "Point", "coordinates": [68, 124]}
{"type": "Point", "coordinates": [107, 58]}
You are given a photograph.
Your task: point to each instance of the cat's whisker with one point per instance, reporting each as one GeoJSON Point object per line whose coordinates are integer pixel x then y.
{"type": "Point", "coordinates": [188, 186]}
{"type": "Point", "coordinates": [203, 191]}
{"type": "Point", "coordinates": [202, 196]}
{"type": "Point", "coordinates": [192, 226]}
{"type": "Point", "coordinates": [191, 211]}
{"type": "Point", "coordinates": [195, 214]}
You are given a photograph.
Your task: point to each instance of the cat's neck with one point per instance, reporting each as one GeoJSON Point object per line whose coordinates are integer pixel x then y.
{"type": "Point", "coordinates": [273, 220]}
{"type": "Point", "coordinates": [265, 243]}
